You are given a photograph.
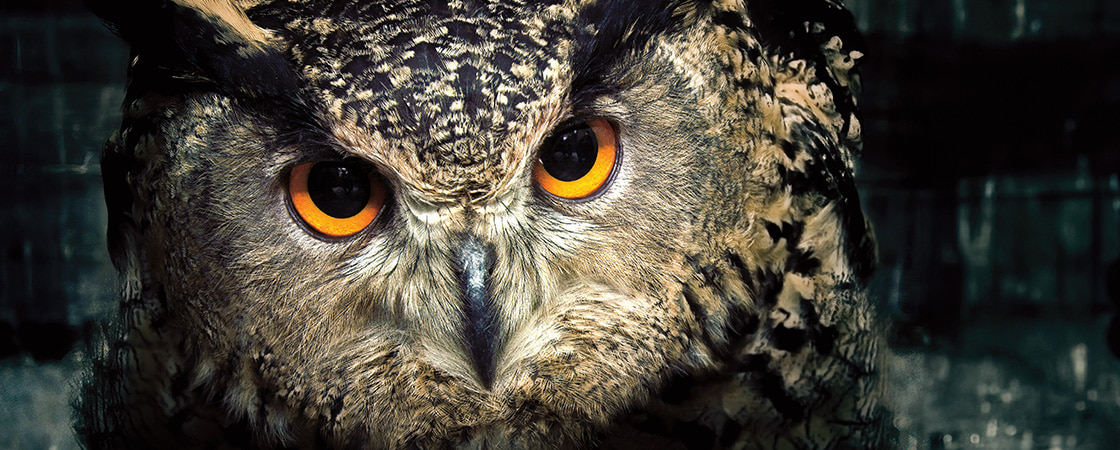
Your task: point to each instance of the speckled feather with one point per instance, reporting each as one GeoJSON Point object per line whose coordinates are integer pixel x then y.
{"type": "Point", "coordinates": [711, 297]}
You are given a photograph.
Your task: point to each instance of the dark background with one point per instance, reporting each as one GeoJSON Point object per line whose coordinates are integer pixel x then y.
{"type": "Point", "coordinates": [991, 171]}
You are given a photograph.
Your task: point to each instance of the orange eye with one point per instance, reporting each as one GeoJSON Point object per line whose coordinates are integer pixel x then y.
{"type": "Point", "coordinates": [335, 198]}
{"type": "Point", "coordinates": [578, 162]}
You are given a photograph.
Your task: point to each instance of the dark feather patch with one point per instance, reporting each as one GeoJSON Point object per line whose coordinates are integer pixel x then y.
{"type": "Point", "coordinates": [694, 436]}
{"type": "Point", "coordinates": [771, 385]}
{"type": "Point", "coordinates": [789, 339]}
{"type": "Point", "coordinates": [620, 29]}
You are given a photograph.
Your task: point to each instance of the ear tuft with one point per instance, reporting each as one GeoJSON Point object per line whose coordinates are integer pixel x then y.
{"type": "Point", "coordinates": [208, 39]}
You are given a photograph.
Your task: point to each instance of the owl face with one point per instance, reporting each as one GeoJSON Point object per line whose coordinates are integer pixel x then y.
{"type": "Point", "coordinates": [494, 223]}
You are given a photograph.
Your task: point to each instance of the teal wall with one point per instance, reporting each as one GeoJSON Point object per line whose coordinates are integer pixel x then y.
{"type": "Point", "coordinates": [61, 83]}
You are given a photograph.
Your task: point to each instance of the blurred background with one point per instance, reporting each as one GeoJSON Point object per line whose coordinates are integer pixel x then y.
{"type": "Point", "coordinates": [991, 171]}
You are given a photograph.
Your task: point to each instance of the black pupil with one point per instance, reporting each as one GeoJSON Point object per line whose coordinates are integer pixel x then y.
{"type": "Point", "coordinates": [570, 155]}
{"type": "Point", "coordinates": [339, 189]}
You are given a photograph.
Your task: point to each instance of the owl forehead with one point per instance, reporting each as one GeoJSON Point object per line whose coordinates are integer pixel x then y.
{"type": "Point", "coordinates": [451, 82]}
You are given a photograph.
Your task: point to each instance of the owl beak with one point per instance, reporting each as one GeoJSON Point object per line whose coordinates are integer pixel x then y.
{"type": "Point", "coordinates": [474, 263]}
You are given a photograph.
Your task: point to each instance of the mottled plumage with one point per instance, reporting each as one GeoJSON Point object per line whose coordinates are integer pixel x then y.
{"type": "Point", "coordinates": [710, 295]}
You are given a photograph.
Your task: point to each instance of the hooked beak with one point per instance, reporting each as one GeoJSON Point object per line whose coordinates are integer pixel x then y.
{"type": "Point", "coordinates": [474, 262]}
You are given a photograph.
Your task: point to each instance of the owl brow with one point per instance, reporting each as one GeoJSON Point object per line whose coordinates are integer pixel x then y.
{"type": "Point", "coordinates": [298, 132]}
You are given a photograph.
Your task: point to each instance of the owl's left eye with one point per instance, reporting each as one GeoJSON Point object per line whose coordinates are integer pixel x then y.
{"type": "Point", "coordinates": [578, 162]}
{"type": "Point", "coordinates": [335, 198]}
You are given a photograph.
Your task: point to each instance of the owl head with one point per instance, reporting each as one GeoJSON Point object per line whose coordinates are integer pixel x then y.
{"type": "Point", "coordinates": [474, 223]}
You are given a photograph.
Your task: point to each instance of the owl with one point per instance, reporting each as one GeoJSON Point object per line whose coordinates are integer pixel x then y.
{"type": "Point", "coordinates": [486, 224]}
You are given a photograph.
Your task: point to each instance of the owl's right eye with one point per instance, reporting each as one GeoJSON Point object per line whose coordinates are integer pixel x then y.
{"type": "Point", "coordinates": [336, 198]}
